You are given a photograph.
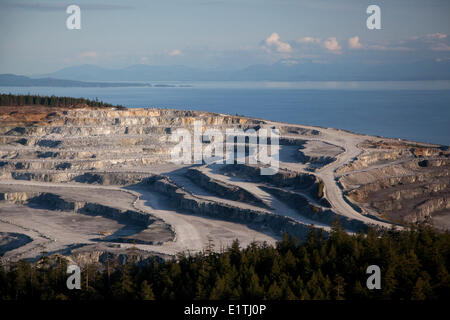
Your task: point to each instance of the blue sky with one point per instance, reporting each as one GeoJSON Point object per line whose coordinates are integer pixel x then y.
{"type": "Point", "coordinates": [219, 33]}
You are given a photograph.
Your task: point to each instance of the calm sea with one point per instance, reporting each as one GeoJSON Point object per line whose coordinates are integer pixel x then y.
{"type": "Point", "coordinates": [418, 110]}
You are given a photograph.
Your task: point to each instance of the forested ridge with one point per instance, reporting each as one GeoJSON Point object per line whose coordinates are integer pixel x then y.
{"type": "Point", "coordinates": [51, 101]}
{"type": "Point", "coordinates": [414, 265]}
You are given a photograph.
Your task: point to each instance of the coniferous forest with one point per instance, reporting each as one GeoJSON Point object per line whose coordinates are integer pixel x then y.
{"type": "Point", "coordinates": [50, 101]}
{"type": "Point", "coordinates": [414, 265]}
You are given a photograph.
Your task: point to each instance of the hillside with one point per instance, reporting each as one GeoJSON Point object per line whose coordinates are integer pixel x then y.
{"type": "Point", "coordinates": [12, 80]}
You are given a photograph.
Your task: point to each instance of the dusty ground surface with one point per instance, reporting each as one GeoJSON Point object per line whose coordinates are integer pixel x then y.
{"type": "Point", "coordinates": [83, 182]}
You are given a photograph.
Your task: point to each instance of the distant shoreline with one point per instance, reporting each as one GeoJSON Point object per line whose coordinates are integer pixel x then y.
{"type": "Point", "coordinates": [12, 80]}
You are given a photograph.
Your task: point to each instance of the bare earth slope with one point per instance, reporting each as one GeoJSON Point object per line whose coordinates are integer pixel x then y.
{"type": "Point", "coordinates": [85, 181]}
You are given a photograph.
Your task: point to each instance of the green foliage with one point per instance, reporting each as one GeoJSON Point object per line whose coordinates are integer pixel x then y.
{"type": "Point", "coordinates": [50, 101]}
{"type": "Point", "coordinates": [414, 265]}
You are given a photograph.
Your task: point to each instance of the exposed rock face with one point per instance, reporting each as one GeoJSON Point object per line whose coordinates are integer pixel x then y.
{"type": "Point", "coordinates": [114, 255]}
{"type": "Point", "coordinates": [256, 219]}
{"type": "Point", "coordinates": [401, 182]}
{"type": "Point", "coordinates": [91, 183]}
{"type": "Point", "coordinates": [223, 189]}
{"type": "Point", "coordinates": [136, 219]}
{"type": "Point", "coordinates": [320, 214]}
{"type": "Point", "coordinates": [94, 139]}
{"type": "Point", "coordinates": [10, 241]}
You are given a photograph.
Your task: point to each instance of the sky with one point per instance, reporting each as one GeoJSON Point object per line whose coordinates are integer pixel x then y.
{"type": "Point", "coordinates": [219, 34]}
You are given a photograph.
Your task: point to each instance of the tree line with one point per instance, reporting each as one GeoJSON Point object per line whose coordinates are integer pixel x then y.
{"type": "Point", "coordinates": [414, 265]}
{"type": "Point", "coordinates": [51, 101]}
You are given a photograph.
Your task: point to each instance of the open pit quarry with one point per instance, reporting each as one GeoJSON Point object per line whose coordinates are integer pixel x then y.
{"type": "Point", "coordinates": [88, 183]}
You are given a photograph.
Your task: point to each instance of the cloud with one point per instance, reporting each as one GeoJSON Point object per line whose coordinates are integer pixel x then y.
{"type": "Point", "coordinates": [175, 53]}
{"type": "Point", "coordinates": [51, 6]}
{"type": "Point", "coordinates": [308, 40]}
{"type": "Point", "coordinates": [332, 45]}
{"type": "Point", "coordinates": [289, 62]}
{"type": "Point", "coordinates": [430, 42]}
{"type": "Point", "coordinates": [88, 55]}
{"type": "Point", "coordinates": [354, 43]}
{"type": "Point", "coordinates": [437, 41]}
{"type": "Point", "coordinates": [144, 60]}
{"type": "Point", "coordinates": [379, 47]}
{"type": "Point", "coordinates": [436, 35]}
{"type": "Point", "coordinates": [441, 47]}
{"type": "Point", "coordinates": [273, 41]}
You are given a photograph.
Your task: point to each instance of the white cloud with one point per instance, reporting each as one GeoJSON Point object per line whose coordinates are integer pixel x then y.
{"type": "Point", "coordinates": [354, 43]}
{"type": "Point", "coordinates": [441, 47]}
{"type": "Point", "coordinates": [378, 47]}
{"type": "Point", "coordinates": [88, 54]}
{"type": "Point", "coordinates": [332, 44]}
{"type": "Point", "coordinates": [274, 41]}
{"type": "Point", "coordinates": [289, 62]}
{"type": "Point", "coordinates": [175, 53]}
{"type": "Point", "coordinates": [436, 35]}
{"type": "Point", "coordinates": [308, 40]}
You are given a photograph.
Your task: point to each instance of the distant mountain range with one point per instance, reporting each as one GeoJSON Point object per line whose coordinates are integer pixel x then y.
{"type": "Point", "coordinates": [12, 80]}
{"type": "Point", "coordinates": [281, 71]}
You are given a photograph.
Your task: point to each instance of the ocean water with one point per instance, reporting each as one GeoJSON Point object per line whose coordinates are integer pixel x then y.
{"type": "Point", "coordinates": [418, 110]}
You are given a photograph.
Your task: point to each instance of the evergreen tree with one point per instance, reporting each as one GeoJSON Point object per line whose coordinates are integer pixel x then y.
{"type": "Point", "coordinates": [414, 265]}
{"type": "Point", "coordinates": [339, 287]}
{"type": "Point", "coordinates": [146, 292]}
{"type": "Point", "coordinates": [274, 292]}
